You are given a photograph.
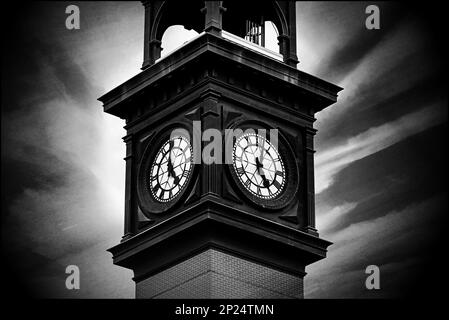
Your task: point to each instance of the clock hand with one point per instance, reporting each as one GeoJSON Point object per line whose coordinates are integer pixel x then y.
{"type": "Point", "coordinates": [258, 164]}
{"type": "Point", "coordinates": [169, 162]}
{"type": "Point", "coordinates": [266, 183]}
{"type": "Point", "coordinates": [172, 173]}
{"type": "Point", "coordinates": [262, 152]}
{"type": "Point", "coordinates": [259, 168]}
{"type": "Point", "coordinates": [170, 168]}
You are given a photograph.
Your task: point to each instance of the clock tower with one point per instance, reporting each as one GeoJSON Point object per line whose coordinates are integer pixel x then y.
{"type": "Point", "coordinates": [236, 220]}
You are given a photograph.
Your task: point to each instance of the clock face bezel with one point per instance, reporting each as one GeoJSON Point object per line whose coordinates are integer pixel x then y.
{"type": "Point", "coordinates": [148, 203]}
{"type": "Point", "coordinates": [290, 169]}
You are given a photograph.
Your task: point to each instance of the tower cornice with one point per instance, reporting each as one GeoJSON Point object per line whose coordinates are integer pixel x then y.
{"type": "Point", "coordinates": [213, 47]}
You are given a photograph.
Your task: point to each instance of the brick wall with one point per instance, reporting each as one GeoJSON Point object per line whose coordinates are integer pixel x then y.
{"type": "Point", "coordinates": [214, 274]}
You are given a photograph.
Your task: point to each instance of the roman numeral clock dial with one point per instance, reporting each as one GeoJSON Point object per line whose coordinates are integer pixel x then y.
{"type": "Point", "coordinates": [258, 166]}
{"type": "Point", "coordinates": [265, 173]}
{"type": "Point", "coordinates": [164, 173]}
{"type": "Point", "coordinates": [171, 169]}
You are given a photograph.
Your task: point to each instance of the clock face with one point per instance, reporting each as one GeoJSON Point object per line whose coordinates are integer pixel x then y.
{"type": "Point", "coordinates": [258, 166]}
{"type": "Point", "coordinates": [171, 169]}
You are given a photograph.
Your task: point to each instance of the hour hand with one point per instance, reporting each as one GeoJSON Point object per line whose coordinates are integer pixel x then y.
{"type": "Point", "coordinates": [266, 183]}
{"type": "Point", "coordinates": [175, 178]}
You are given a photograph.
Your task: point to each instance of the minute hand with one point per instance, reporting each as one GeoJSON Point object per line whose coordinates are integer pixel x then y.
{"type": "Point", "coordinates": [170, 169]}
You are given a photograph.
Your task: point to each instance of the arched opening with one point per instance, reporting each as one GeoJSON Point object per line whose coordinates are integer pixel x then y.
{"type": "Point", "coordinates": [257, 23]}
{"type": "Point", "coordinates": [161, 15]}
{"type": "Point", "coordinates": [185, 13]}
{"type": "Point", "coordinates": [175, 37]}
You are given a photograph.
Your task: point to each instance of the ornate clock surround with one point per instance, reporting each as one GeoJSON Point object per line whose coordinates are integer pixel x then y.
{"type": "Point", "coordinates": [290, 161]}
{"type": "Point", "coordinates": [147, 203]}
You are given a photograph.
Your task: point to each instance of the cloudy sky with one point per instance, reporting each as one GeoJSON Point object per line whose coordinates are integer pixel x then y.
{"type": "Point", "coordinates": [381, 174]}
